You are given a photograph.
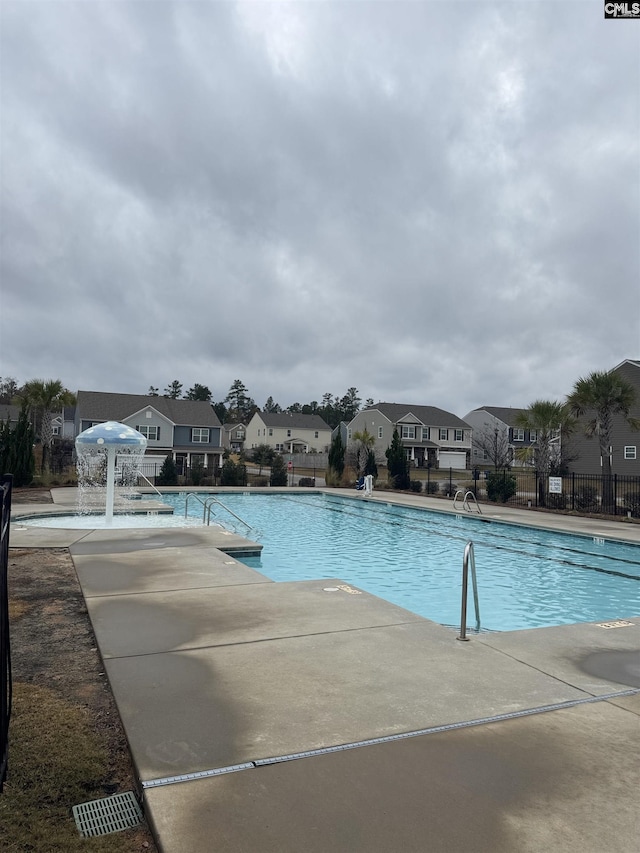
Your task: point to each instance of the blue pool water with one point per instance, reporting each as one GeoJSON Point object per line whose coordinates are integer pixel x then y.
{"type": "Point", "coordinates": [527, 578]}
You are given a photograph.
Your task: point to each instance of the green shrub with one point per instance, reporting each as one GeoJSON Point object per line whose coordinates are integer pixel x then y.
{"type": "Point", "coordinates": [432, 487]}
{"type": "Point", "coordinates": [278, 472]}
{"type": "Point", "coordinates": [415, 485]}
{"type": "Point", "coordinates": [168, 475]}
{"type": "Point", "coordinates": [501, 486]}
{"type": "Point", "coordinates": [306, 481]}
{"type": "Point", "coordinates": [631, 502]}
{"type": "Point", "coordinates": [556, 501]}
{"type": "Point", "coordinates": [233, 473]}
{"type": "Point", "coordinates": [332, 478]}
{"type": "Point", "coordinates": [197, 474]}
{"type": "Point", "coordinates": [586, 499]}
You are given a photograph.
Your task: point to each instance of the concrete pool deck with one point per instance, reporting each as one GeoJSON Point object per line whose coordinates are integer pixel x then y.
{"type": "Point", "coordinates": [220, 675]}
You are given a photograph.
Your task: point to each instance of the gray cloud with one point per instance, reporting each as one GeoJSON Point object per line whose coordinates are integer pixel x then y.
{"type": "Point", "coordinates": [435, 202]}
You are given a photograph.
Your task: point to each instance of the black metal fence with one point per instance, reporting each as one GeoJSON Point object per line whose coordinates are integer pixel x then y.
{"type": "Point", "coordinates": [617, 494]}
{"type": "Point", "coordinates": [5, 648]}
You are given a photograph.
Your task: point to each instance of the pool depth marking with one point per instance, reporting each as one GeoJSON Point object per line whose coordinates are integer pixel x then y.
{"type": "Point", "coordinates": [328, 750]}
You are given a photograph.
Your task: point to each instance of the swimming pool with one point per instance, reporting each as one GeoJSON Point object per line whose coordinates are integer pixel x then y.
{"type": "Point", "coordinates": [527, 578]}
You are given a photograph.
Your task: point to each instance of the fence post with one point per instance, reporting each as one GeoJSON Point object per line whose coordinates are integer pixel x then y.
{"type": "Point", "coordinates": [5, 647]}
{"type": "Point", "coordinates": [615, 494]}
{"type": "Point", "coordinates": [450, 482]}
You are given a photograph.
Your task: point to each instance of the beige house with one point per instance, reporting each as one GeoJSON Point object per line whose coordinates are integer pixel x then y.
{"type": "Point", "coordinates": [288, 433]}
{"type": "Point", "coordinates": [431, 436]}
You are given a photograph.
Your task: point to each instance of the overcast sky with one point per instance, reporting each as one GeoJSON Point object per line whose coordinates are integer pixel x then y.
{"type": "Point", "coordinates": [435, 202]}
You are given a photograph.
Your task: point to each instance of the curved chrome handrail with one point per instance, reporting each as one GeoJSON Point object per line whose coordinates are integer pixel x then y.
{"type": "Point", "coordinates": [468, 559]}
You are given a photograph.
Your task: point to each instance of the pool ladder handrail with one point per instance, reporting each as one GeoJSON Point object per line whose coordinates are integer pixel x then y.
{"type": "Point", "coordinates": [206, 509]}
{"type": "Point", "coordinates": [149, 483]}
{"type": "Point", "coordinates": [465, 502]}
{"type": "Point", "coordinates": [211, 501]}
{"type": "Point", "coordinates": [468, 559]}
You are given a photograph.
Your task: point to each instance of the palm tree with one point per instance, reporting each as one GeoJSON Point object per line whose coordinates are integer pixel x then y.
{"type": "Point", "coordinates": [363, 445]}
{"type": "Point", "coordinates": [44, 398]}
{"type": "Point", "coordinates": [599, 397]}
{"type": "Point", "coordinates": [549, 420]}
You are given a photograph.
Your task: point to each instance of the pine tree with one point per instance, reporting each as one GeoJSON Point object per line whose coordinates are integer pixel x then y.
{"type": "Point", "coordinates": [168, 475]}
{"type": "Point", "coordinates": [336, 455]}
{"type": "Point", "coordinates": [278, 472]}
{"type": "Point", "coordinates": [397, 463]}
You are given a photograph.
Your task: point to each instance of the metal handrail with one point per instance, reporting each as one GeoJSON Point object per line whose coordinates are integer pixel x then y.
{"type": "Point", "coordinates": [465, 503]}
{"type": "Point", "coordinates": [207, 509]}
{"type": "Point", "coordinates": [186, 504]}
{"type": "Point", "coordinates": [149, 483]}
{"type": "Point", "coordinates": [468, 559]}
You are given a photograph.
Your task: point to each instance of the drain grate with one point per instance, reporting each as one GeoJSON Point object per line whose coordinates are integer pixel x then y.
{"type": "Point", "coordinates": [110, 814]}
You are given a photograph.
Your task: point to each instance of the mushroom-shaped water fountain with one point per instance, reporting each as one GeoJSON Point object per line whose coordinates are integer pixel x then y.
{"type": "Point", "coordinates": [103, 442]}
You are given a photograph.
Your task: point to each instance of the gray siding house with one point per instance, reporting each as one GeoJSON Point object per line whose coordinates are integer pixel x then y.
{"type": "Point", "coordinates": [485, 420]}
{"type": "Point", "coordinates": [188, 429]}
{"type": "Point", "coordinates": [625, 442]}
{"type": "Point", "coordinates": [431, 436]}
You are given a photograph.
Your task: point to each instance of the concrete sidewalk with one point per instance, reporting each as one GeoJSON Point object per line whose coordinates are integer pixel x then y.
{"type": "Point", "coordinates": [248, 706]}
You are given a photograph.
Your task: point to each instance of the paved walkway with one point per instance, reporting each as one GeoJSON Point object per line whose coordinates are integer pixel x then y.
{"type": "Point", "coordinates": [315, 717]}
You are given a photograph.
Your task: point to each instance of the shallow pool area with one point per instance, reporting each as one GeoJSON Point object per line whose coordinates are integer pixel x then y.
{"type": "Point", "coordinates": [124, 521]}
{"type": "Point", "coordinates": [527, 577]}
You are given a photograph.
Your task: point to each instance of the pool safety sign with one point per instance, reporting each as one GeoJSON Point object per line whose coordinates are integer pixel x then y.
{"type": "Point", "coordinates": [555, 485]}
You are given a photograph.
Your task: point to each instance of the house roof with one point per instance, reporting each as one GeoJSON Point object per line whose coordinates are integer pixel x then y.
{"type": "Point", "coordinates": [427, 415]}
{"type": "Point", "coordinates": [506, 414]}
{"type": "Point", "coordinates": [103, 406]}
{"type": "Point", "coordinates": [292, 421]}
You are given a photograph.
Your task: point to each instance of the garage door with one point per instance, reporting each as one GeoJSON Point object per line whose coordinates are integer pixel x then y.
{"type": "Point", "coordinates": [453, 460]}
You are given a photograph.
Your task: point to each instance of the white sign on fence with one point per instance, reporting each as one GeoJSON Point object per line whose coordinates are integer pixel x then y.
{"type": "Point", "coordinates": [555, 485]}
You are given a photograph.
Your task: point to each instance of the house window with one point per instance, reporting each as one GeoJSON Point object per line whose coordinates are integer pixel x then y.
{"type": "Point", "coordinates": [458, 435]}
{"type": "Point", "coordinates": [316, 434]}
{"type": "Point", "coordinates": [270, 431]}
{"type": "Point", "coordinates": [380, 432]}
{"type": "Point", "coordinates": [240, 435]}
{"type": "Point", "coordinates": [280, 447]}
{"type": "Point", "coordinates": [630, 451]}
{"type": "Point", "coordinates": [200, 435]}
{"type": "Point", "coordinates": [288, 433]}
{"type": "Point", "coordinates": [518, 434]}
{"type": "Point", "coordinates": [348, 432]}
{"type": "Point", "coordinates": [197, 459]}
{"type": "Point", "coordinates": [444, 434]}
{"type": "Point", "coordinates": [425, 433]}
{"type": "Point", "coordinates": [151, 433]}
{"type": "Point", "coordinates": [533, 435]}
{"type": "Point", "coordinates": [408, 431]}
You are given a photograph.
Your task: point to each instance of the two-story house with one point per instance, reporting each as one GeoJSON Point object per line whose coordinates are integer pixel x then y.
{"type": "Point", "coordinates": [625, 441]}
{"type": "Point", "coordinates": [288, 433]}
{"type": "Point", "coordinates": [233, 437]}
{"type": "Point", "coordinates": [431, 436]}
{"type": "Point", "coordinates": [189, 430]}
{"type": "Point", "coordinates": [497, 438]}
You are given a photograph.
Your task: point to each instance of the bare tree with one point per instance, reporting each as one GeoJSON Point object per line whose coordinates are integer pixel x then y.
{"type": "Point", "coordinates": [493, 441]}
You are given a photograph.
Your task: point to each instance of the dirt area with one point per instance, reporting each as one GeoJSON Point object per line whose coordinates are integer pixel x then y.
{"type": "Point", "coordinates": [53, 646]}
